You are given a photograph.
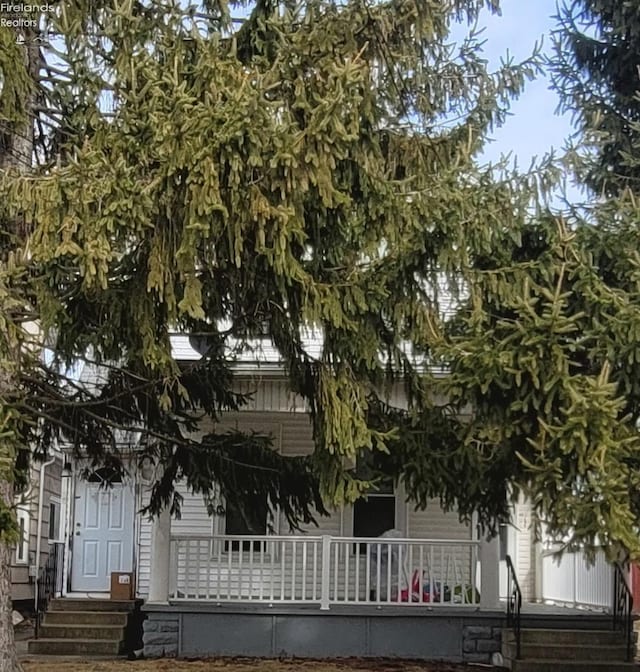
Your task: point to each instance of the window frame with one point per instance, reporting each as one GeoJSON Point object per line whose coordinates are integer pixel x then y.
{"type": "Point", "coordinates": [389, 489]}
{"type": "Point", "coordinates": [23, 518]}
{"type": "Point", "coordinates": [58, 537]}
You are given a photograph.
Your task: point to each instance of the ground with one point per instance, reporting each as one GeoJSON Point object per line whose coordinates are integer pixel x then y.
{"type": "Point", "coordinates": [240, 665]}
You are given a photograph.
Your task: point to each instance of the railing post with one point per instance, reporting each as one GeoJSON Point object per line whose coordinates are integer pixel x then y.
{"type": "Point", "coordinates": [326, 572]}
{"type": "Point", "coordinates": [490, 573]}
{"type": "Point", "coordinates": [574, 586]}
{"type": "Point", "coordinates": [159, 578]}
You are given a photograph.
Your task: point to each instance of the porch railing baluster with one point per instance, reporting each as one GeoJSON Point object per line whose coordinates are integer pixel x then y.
{"type": "Point", "coordinates": [420, 577]}
{"type": "Point", "coordinates": [439, 583]}
{"type": "Point", "coordinates": [367, 592]}
{"type": "Point", "coordinates": [356, 588]}
{"type": "Point", "coordinates": [347, 575]}
{"type": "Point", "coordinates": [199, 564]}
{"type": "Point", "coordinates": [272, 572]}
{"type": "Point", "coordinates": [314, 590]}
{"type": "Point", "coordinates": [336, 571]}
{"type": "Point", "coordinates": [283, 553]}
{"type": "Point", "coordinates": [325, 597]}
{"type": "Point", "coordinates": [389, 567]}
{"type": "Point", "coordinates": [229, 559]}
{"type": "Point", "coordinates": [261, 595]}
{"type": "Point", "coordinates": [293, 568]}
{"type": "Point", "coordinates": [304, 570]}
{"type": "Point", "coordinates": [218, 567]}
{"type": "Point", "coordinates": [378, 571]}
{"type": "Point", "coordinates": [399, 582]}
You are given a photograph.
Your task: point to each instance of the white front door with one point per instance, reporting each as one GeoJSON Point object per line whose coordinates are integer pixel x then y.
{"type": "Point", "coordinates": [102, 533]}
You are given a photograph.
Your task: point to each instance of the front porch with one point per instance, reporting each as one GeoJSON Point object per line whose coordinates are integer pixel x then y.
{"type": "Point", "coordinates": [321, 596]}
{"type": "Point", "coordinates": [333, 596]}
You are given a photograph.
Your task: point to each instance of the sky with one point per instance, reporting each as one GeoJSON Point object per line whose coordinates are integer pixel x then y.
{"type": "Point", "coordinates": [534, 127]}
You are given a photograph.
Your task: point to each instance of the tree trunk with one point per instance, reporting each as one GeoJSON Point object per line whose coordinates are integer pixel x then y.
{"type": "Point", "coordinates": [17, 153]}
{"type": "Point", "coordinates": [8, 657]}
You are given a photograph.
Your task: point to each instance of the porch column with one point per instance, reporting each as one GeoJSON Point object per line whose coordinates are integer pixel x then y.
{"type": "Point", "coordinates": [490, 573]}
{"type": "Point", "coordinates": [160, 557]}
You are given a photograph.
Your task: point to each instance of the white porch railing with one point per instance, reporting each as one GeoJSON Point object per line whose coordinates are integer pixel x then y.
{"type": "Point", "coordinates": [324, 570]}
{"type": "Point", "coordinates": [571, 580]}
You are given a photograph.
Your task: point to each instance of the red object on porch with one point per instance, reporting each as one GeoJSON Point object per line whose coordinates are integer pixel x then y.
{"type": "Point", "coordinates": [417, 587]}
{"type": "Point", "coordinates": [635, 587]}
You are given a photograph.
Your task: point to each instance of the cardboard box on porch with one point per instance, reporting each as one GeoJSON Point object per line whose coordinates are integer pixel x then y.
{"type": "Point", "coordinates": [122, 587]}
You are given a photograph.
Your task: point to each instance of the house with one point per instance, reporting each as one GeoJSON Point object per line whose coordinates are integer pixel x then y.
{"type": "Point", "coordinates": [42, 521]}
{"type": "Point", "coordinates": [429, 587]}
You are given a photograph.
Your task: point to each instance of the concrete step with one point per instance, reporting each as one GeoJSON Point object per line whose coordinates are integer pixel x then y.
{"type": "Point", "coordinates": [90, 604]}
{"type": "Point", "coordinates": [566, 637]}
{"type": "Point", "coordinates": [75, 647]}
{"type": "Point", "coordinates": [85, 618]}
{"type": "Point", "coordinates": [549, 665]}
{"type": "Point", "coordinates": [103, 632]}
{"type": "Point", "coordinates": [566, 651]}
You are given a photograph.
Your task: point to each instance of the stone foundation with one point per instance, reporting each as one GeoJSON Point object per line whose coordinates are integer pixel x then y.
{"type": "Point", "coordinates": [479, 642]}
{"type": "Point", "coordinates": [160, 635]}
{"type": "Point", "coordinates": [194, 630]}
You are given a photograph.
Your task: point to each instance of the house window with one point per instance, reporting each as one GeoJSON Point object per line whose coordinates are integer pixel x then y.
{"type": "Point", "coordinates": [22, 547]}
{"type": "Point", "coordinates": [251, 520]}
{"type": "Point", "coordinates": [375, 513]}
{"type": "Point", "coordinates": [55, 529]}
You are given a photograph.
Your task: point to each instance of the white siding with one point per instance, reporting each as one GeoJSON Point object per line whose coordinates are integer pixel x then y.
{"type": "Point", "coordinates": [22, 584]}
{"type": "Point", "coordinates": [434, 523]}
{"type": "Point", "coordinates": [525, 545]}
{"type": "Point", "coordinates": [143, 547]}
{"type": "Point", "coordinates": [269, 395]}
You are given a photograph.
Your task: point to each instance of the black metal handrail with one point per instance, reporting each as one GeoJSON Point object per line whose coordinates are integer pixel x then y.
{"type": "Point", "coordinates": [49, 582]}
{"type": "Point", "coordinates": [623, 607]}
{"type": "Point", "coordinates": [514, 603]}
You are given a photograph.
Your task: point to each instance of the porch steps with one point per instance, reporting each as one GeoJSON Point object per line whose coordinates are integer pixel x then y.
{"type": "Point", "coordinates": [95, 627]}
{"type": "Point", "coordinates": [563, 650]}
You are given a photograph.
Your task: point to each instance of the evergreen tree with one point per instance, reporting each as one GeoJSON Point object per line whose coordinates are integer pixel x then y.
{"type": "Point", "coordinates": [596, 71]}
{"type": "Point", "coordinates": [314, 168]}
